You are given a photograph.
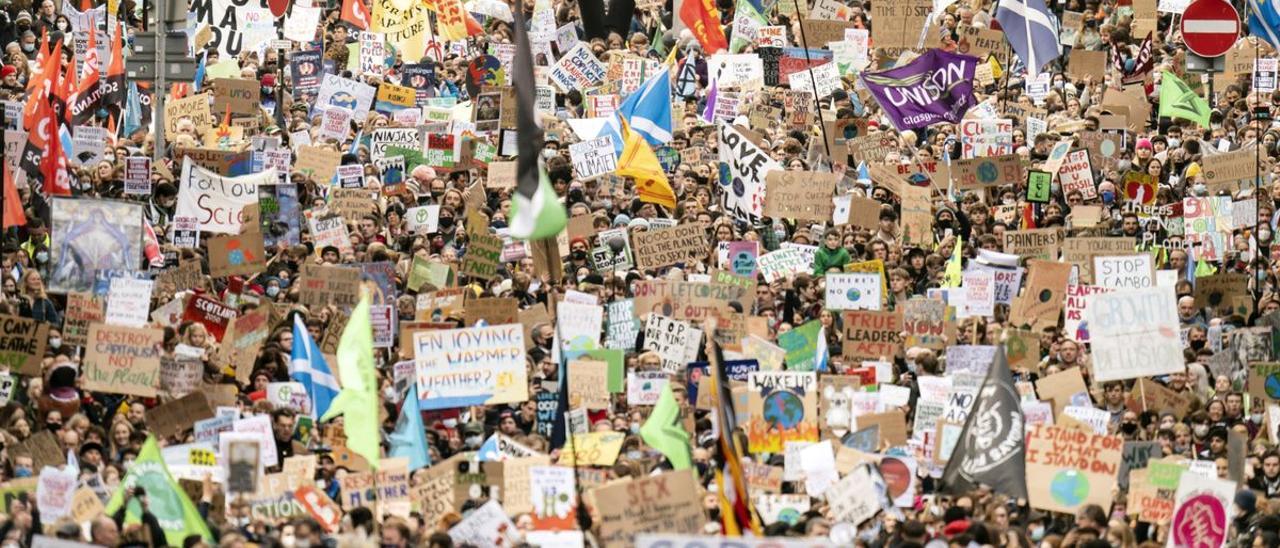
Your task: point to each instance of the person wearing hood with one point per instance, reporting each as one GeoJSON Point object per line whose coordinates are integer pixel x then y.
{"type": "Point", "coordinates": [948, 221]}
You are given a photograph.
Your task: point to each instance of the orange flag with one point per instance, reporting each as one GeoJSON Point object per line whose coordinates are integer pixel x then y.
{"type": "Point", "coordinates": [13, 213]}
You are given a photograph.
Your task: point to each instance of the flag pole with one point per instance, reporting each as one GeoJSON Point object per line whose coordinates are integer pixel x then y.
{"type": "Point", "coordinates": [814, 84]}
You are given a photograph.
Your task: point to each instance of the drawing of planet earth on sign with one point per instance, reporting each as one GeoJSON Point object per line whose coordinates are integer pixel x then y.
{"type": "Point", "coordinates": [853, 294]}
{"type": "Point", "coordinates": [1273, 386]}
{"type": "Point", "coordinates": [783, 410]}
{"type": "Point", "coordinates": [1069, 488]}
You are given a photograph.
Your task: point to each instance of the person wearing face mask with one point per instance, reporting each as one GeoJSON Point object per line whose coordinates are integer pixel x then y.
{"type": "Point", "coordinates": [473, 435]}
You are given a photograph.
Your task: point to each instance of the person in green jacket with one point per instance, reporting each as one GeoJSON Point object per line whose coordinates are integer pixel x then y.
{"type": "Point", "coordinates": [831, 254]}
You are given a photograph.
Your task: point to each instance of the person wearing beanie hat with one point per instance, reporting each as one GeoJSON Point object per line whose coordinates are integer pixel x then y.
{"type": "Point", "coordinates": [621, 220]}
{"type": "Point", "coordinates": [638, 224]}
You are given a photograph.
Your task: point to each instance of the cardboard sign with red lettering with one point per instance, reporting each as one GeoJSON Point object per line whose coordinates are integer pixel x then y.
{"type": "Point", "coordinates": [123, 360]}
{"type": "Point", "coordinates": [214, 315]}
{"type": "Point", "coordinates": [1069, 468]}
{"type": "Point", "coordinates": [666, 503]}
{"type": "Point", "coordinates": [871, 335]}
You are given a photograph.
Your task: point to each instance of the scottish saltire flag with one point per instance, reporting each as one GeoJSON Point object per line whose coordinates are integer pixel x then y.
{"type": "Point", "coordinates": [1264, 20]}
{"type": "Point", "coordinates": [1032, 30]}
{"type": "Point", "coordinates": [647, 109]}
{"type": "Point", "coordinates": [307, 366]}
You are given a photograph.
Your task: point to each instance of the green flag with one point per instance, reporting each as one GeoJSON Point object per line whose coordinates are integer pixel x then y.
{"type": "Point", "coordinates": [358, 400]}
{"type": "Point", "coordinates": [662, 431]}
{"type": "Point", "coordinates": [166, 499]}
{"type": "Point", "coordinates": [1178, 101]}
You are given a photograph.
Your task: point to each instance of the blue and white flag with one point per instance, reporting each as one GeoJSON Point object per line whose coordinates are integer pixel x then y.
{"type": "Point", "coordinates": [647, 110]}
{"type": "Point", "coordinates": [1032, 31]}
{"type": "Point", "coordinates": [307, 366]}
{"type": "Point", "coordinates": [410, 438]}
{"type": "Point", "coordinates": [1264, 20]}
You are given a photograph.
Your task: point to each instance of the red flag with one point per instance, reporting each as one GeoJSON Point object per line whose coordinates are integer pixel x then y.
{"type": "Point", "coordinates": [473, 26]}
{"type": "Point", "coordinates": [40, 59]}
{"type": "Point", "coordinates": [13, 213]}
{"type": "Point", "coordinates": [63, 92]}
{"type": "Point", "coordinates": [113, 92]}
{"type": "Point", "coordinates": [53, 167]}
{"type": "Point", "coordinates": [40, 88]}
{"type": "Point", "coordinates": [703, 21]}
{"type": "Point", "coordinates": [37, 139]}
{"type": "Point", "coordinates": [356, 13]}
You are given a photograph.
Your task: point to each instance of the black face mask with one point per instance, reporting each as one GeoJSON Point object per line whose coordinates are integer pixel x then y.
{"type": "Point", "coordinates": [1197, 344]}
{"type": "Point", "coordinates": [446, 222]}
{"type": "Point", "coordinates": [1129, 428]}
{"type": "Point", "coordinates": [579, 255]}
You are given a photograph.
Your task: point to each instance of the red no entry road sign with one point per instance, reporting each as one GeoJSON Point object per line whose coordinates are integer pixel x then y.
{"type": "Point", "coordinates": [1210, 27]}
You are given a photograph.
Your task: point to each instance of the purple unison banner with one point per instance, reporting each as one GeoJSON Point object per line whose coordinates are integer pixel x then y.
{"type": "Point", "coordinates": [936, 87]}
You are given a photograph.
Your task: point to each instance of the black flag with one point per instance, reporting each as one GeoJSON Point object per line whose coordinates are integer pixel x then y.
{"type": "Point", "coordinates": [992, 447]}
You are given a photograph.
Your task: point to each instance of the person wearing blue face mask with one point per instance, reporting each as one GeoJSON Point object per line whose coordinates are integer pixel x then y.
{"type": "Point", "coordinates": [23, 467]}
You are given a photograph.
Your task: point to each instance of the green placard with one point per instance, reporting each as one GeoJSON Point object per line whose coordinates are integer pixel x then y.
{"type": "Point", "coordinates": [1039, 186]}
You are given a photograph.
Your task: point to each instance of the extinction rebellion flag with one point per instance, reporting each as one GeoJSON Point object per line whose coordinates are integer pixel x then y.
{"type": "Point", "coordinates": [937, 87]}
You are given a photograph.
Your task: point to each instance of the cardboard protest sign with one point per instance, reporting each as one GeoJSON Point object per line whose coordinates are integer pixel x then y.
{"type": "Point", "coordinates": [1149, 395]}
{"type": "Point", "coordinates": [872, 335]}
{"type": "Point", "coordinates": [236, 255]}
{"type": "Point", "coordinates": [853, 291]}
{"type": "Point", "coordinates": [318, 163]}
{"type": "Point", "coordinates": [472, 366]}
{"type": "Point", "coordinates": [1151, 491]}
{"type": "Point", "coordinates": [924, 322]}
{"type": "Point", "coordinates": [1124, 271]}
{"type": "Point", "coordinates": [905, 20]}
{"type": "Point", "coordinates": [240, 95]}
{"type": "Point", "coordinates": [987, 172]}
{"type": "Point", "coordinates": [799, 195]}
{"type": "Point", "coordinates": [194, 108]}
{"type": "Point", "coordinates": [22, 344]}
{"type": "Point", "coordinates": [1063, 388]}
{"type": "Point", "coordinates": [1134, 333]}
{"type": "Point", "coordinates": [1228, 167]}
{"type": "Point", "coordinates": [667, 503]}
{"type": "Point", "coordinates": [1067, 468]}
{"type": "Point", "coordinates": [678, 244]}
{"type": "Point", "coordinates": [1042, 299]}
{"type": "Point", "coordinates": [483, 254]}
{"type": "Point", "coordinates": [178, 415]}
{"type": "Point", "coordinates": [123, 360]}
{"type": "Point", "coordinates": [323, 285]}
{"type": "Point", "coordinates": [1080, 251]}
{"type": "Point", "coordinates": [1039, 243]}
{"type": "Point", "coordinates": [1074, 325]}
{"type": "Point", "coordinates": [783, 407]}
